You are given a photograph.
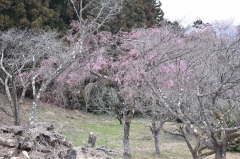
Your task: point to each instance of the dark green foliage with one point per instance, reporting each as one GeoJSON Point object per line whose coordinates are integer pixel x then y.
{"type": "Point", "coordinates": [137, 14]}
{"type": "Point", "coordinates": [35, 13]}
{"type": "Point", "coordinates": [231, 123]}
{"type": "Point", "coordinates": [59, 13]}
{"type": "Point", "coordinates": [235, 146]}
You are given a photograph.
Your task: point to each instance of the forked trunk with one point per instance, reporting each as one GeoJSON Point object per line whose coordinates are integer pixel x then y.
{"type": "Point", "coordinates": [126, 141]}
{"type": "Point", "coordinates": [221, 152]}
{"type": "Point", "coordinates": [36, 99]}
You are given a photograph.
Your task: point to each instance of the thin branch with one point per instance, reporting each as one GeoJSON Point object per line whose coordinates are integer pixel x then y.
{"type": "Point", "coordinates": [6, 112]}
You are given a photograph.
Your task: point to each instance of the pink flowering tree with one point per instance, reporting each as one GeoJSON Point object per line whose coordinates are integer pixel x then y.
{"type": "Point", "coordinates": [82, 42]}
{"type": "Point", "coordinates": [200, 88]}
{"type": "Point", "coordinates": [191, 74]}
{"type": "Point", "coordinates": [119, 69]}
{"type": "Point", "coordinates": [36, 59]}
{"type": "Point", "coordinates": [179, 72]}
{"type": "Point", "coordinates": [155, 55]}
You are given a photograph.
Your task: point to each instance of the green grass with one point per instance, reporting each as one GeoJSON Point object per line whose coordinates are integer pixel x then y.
{"type": "Point", "coordinates": [76, 125]}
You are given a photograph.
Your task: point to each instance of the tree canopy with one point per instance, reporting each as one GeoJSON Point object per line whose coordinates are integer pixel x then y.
{"type": "Point", "coordinates": [35, 13]}
{"type": "Point", "coordinates": [59, 13]}
{"type": "Point", "coordinates": [137, 14]}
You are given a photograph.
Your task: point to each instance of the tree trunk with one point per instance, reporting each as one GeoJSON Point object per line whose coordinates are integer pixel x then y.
{"type": "Point", "coordinates": [155, 131]}
{"type": "Point", "coordinates": [36, 100]}
{"type": "Point", "coordinates": [15, 103]}
{"type": "Point", "coordinates": [157, 145]}
{"type": "Point", "coordinates": [221, 152]}
{"type": "Point", "coordinates": [16, 115]}
{"type": "Point", "coordinates": [120, 120]}
{"type": "Point", "coordinates": [126, 141]}
{"type": "Point", "coordinates": [33, 113]}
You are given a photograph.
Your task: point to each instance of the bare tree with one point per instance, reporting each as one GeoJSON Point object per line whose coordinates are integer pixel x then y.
{"type": "Point", "coordinates": [150, 108]}
{"type": "Point", "coordinates": [203, 86]}
{"type": "Point", "coordinates": [158, 120]}
{"type": "Point", "coordinates": [126, 106]}
{"type": "Point", "coordinates": [21, 52]}
{"type": "Point", "coordinates": [101, 97]}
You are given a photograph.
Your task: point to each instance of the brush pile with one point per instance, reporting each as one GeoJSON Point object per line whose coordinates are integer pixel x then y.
{"type": "Point", "coordinates": [40, 141]}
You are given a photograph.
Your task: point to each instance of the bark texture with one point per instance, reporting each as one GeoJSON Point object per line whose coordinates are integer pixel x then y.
{"type": "Point", "coordinates": [157, 145]}
{"type": "Point", "coordinates": [221, 152]}
{"type": "Point", "coordinates": [126, 141]}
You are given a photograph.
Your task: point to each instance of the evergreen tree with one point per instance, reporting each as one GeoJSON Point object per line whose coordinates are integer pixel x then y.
{"type": "Point", "coordinates": [35, 13]}
{"type": "Point", "coordinates": [59, 13]}
{"type": "Point", "coordinates": [136, 14]}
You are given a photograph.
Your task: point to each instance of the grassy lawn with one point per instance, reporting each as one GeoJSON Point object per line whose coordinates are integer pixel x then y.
{"type": "Point", "coordinates": [76, 125]}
